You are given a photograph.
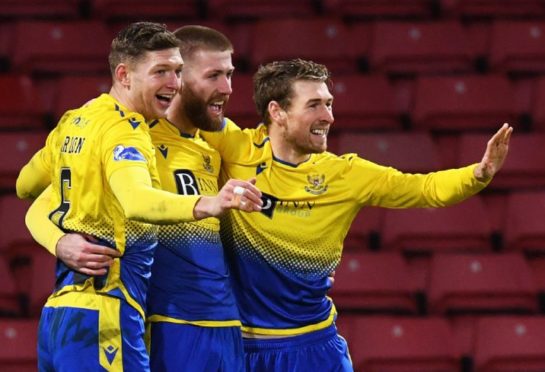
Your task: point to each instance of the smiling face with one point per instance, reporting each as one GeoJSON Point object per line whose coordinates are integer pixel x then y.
{"type": "Point", "coordinates": [152, 81]}
{"type": "Point", "coordinates": [305, 123]}
{"type": "Point", "coordinates": [206, 87]}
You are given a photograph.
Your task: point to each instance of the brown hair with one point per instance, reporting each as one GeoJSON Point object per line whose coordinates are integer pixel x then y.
{"type": "Point", "coordinates": [274, 82]}
{"type": "Point", "coordinates": [138, 38]}
{"type": "Point", "coordinates": [193, 38]}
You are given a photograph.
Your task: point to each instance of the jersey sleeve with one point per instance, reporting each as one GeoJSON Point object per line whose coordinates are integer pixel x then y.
{"type": "Point", "coordinates": [42, 229]}
{"type": "Point", "coordinates": [231, 142]}
{"type": "Point", "coordinates": [140, 202]}
{"type": "Point", "coordinates": [35, 176]}
{"type": "Point", "coordinates": [126, 144]}
{"type": "Point", "coordinates": [388, 187]}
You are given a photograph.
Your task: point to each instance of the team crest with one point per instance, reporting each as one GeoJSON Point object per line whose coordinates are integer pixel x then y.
{"type": "Point", "coordinates": [207, 163]}
{"type": "Point", "coordinates": [316, 182]}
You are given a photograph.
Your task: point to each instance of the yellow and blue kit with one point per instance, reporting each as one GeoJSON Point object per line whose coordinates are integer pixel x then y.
{"type": "Point", "coordinates": [192, 313]}
{"type": "Point", "coordinates": [100, 317]}
{"type": "Point", "coordinates": [281, 258]}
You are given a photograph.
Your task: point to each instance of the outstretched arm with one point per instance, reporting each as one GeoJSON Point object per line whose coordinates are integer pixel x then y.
{"type": "Point", "coordinates": [495, 154]}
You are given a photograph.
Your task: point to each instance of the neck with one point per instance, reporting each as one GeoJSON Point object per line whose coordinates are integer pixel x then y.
{"type": "Point", "coordinates": [180, 121]}
{"type": "Point", "coordinates": [283, 150]}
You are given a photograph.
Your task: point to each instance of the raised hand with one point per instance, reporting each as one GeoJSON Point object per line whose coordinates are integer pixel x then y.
{"type": "Point", "coordinates": [495, 154]}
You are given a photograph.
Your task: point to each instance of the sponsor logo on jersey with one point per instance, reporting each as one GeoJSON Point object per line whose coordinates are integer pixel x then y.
{"type": "Point", "coordinates": [316, 184]}
{"type": "Point", "coordinates": [110, 352]}
{"type": "Point", "coordinates": [127, 153]}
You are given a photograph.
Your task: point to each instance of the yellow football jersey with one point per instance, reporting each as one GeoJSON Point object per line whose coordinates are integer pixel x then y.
{"type": "Point", "coordinates": [281, 258]}
{"type": "Point", "coordinates": [190, 280]}
{"type": "Point", "coordinates": [86, 147]}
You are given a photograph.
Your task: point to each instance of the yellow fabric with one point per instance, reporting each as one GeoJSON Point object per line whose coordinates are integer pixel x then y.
{"type": "Point", "coordinates": [45, 232]}
{"type": "Point", "coordinates": [140, 202]}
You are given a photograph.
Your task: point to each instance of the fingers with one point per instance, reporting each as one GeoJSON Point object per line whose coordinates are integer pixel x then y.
{"type": "Point", "coordinates": [246, 196]}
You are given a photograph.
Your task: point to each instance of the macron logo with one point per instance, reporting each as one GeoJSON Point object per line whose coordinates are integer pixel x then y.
{"type": "Point", "coordinates": [110, 352]}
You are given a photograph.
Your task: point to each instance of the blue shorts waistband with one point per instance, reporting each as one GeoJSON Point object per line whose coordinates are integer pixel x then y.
{"type": "Point", "coordinates": [255, 344]}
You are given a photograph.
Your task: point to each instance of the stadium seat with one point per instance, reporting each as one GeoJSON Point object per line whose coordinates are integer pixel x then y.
{"type": "Point", "coordinates": [462, 227]}
{"type": "Point", "coordinates": [18, 338]}
{"type": "Point", "coordinates": [480, 9]}
{"type": "Point", "coordinates": [459, 103]}
{"type": "Point", "coordinates": [241, 107]}
{"type": "Point", "coordinates": [419, 47]}
{"type": "Point", "coordinates": [538, 106]}
{"type": "Point", "coordinates": [524, 166]}
{"type": "Point", "coordinates": [12, 220]}
{"type": "Point", "coordinates": [401, 344]}
{"type": "Point", "coordinates": [518, 46]}
{"type": "Point", "coordinates": [20, 103]}
{"type": "Point", "coordinates": [364, 102]}
{"type": "Point", "coordinates": [9, 296]}
{"type": "Point", "coordinates": [357, 9]}
{"type": "Point", "coordinates": [481, 283]}
{"type": "Point", "coordinates": [256, 9]}
{"type": "Point", "coordinates": [524, 229]}
{"type": "Point", "coordinates": [52, 47]}
{"type": "Point", "coordinates": [374, 282]}
{"type": "Point", "coordinates": [34, 271]}
{"type": "Point", "coordinates": [53, 9]}
{"type": "Point", "coordinates": [75, 90]}
{"type": "Point", "coordinates": [364, 230]}
{"type": "Point", "coordinates": [537, 265]}
{"type": "Point", "coordinates": [322, 40]}
{"type": "Point", "coordinates": [413, 152]}
{"type": "Point", "coordinates": [16, 149]}
{"type": "Point", "coordinates": [136, 10]}
{"type": "Point", "coordinates": [514, 343]}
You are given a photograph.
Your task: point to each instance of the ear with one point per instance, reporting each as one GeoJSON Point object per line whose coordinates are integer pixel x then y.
{"type": "Point", "coordinates": [122, 75]}
{"type": "Point", "coordinates": [276, 113]}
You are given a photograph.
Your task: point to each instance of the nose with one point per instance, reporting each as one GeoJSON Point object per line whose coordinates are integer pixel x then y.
{"type": "Point", "coordinates": [224, 85]}
{"type": "Point", "coordinates": [328, 115]}
{"type": "Point", "coordinates": [174, 81]}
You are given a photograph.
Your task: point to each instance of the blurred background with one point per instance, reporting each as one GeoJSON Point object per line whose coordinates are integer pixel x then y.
{"type": "Point", "coordinates": [419, 85]}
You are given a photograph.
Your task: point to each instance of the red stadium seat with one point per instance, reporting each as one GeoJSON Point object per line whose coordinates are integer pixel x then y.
{"type": "Point", "coordinates": [61, 47]}
{"type": "Point", "coordinates": [537, 264]}
{"type": "Point", "coordinates": [319, 39]}
{"type": "Point", "coordinates": [418, 47]}
{"type": "Point", "coordinates": [462, 227]}
{"type": "Point", "coordinates": [136, 10]}
{"type": "Point", "coordinates": [18, 338]}
{"type": "Point", "coordinates": [395, 344]}
{"type": "Point", "coordinates": [364, 230]}
{"type": "Point", "coordinates": [34, 271]}
{"type": "Point", "coordinates": [465, 283]}
{"type": "Point", "coordinates": [518, 46]}
{"type": "Point", "coordinates": [492, 8]}
{"type": "Point", "coordinates": [413, 152]}
{"type": "Point", "coordinates": [241, 107]}
{"type": "Point", "coordinates": [12, 220]}
{"type": "Point", "coordinates": [538, 107]}
{"type": "Point", "coordinates": [364, 103]}
{"type": "Point", "coordinates": [379, 8]}
{"type": "Point", "coordinates": [524, 166]}
{"type": "Point", "coordinates": [75, 90]}
{"type": "Point", "coordinates": [524, 228]}
{"type": "Point", "coordinates": [9, 296]}
{"type": "Point", "coordinates": [456, 103]}
{"type": "Point", "coordinates": [252, 9]}
{"type": "Point", "coordinates": [20, 103]}
{"type": "Point", "coordinates": [16, 149]}
{"type": "Point", "coordinates": [377, 282]}
{"type": "Point", "coordinates": [54, 9]}
{"type": "Point", "coordinates": [515, 343]}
